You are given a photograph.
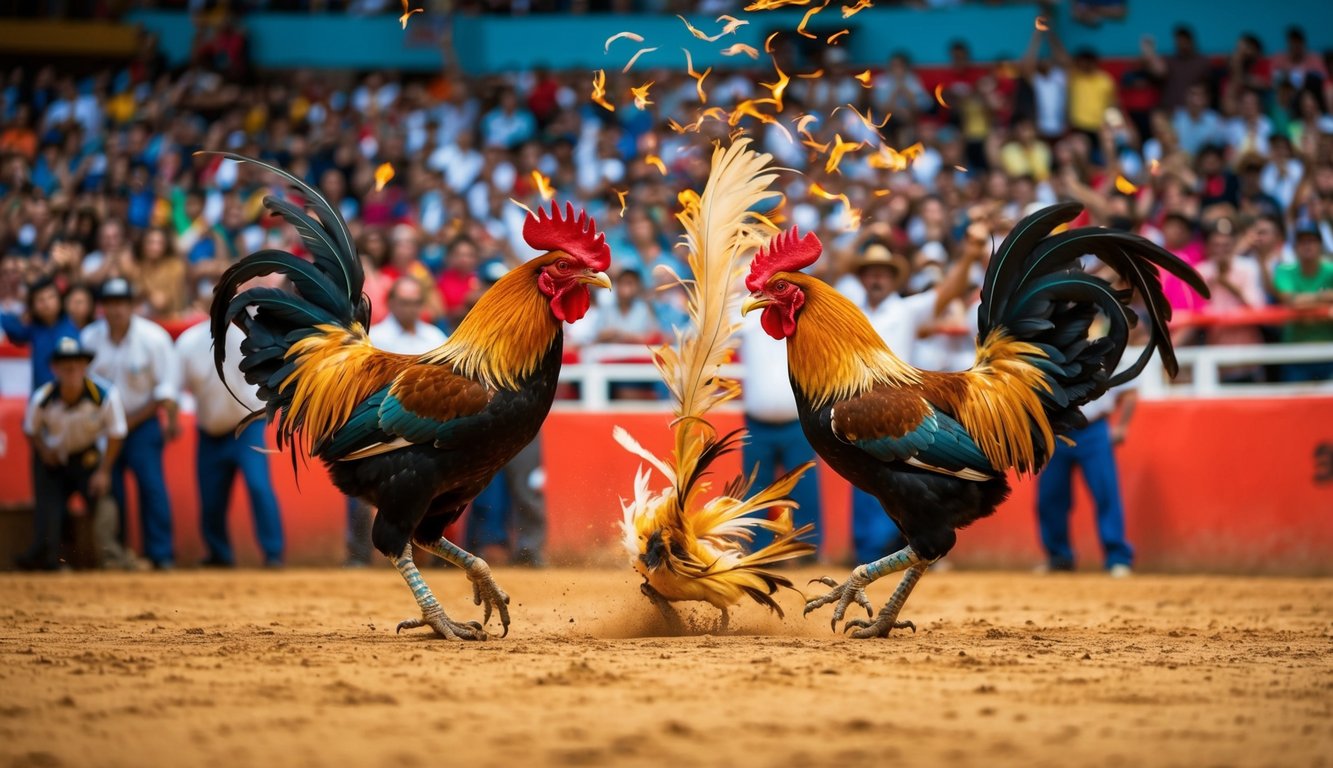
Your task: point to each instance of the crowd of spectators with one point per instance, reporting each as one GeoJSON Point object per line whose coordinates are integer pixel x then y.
{"type": "Point", "coordinates": [1225, 159]}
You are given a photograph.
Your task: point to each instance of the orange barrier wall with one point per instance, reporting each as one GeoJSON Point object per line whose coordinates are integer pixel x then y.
{"type": "Point", "coordinates": [1210, 485]}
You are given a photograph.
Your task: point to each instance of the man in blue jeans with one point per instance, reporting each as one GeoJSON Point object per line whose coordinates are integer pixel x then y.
{"type": "Point", "coordinates": [219, 408]}
{"type": "Point", "coordinates": [1093, 452]}
{"type": "Point", "coordinates": [775, 444]}
{"type": "Point", "coordinates": [138, 358]}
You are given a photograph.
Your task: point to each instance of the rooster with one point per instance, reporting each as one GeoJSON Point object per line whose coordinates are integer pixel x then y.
{"type": "Point", "coordinates": [416, 436]}
{"type": "Point", "coordinates": [934, 447]}
{"type": "Point", "coordinates": [686, 546]}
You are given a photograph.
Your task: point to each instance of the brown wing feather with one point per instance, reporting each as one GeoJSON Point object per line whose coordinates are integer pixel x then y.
{"type": "Point", "coordinates": [437, 392]}
{"type": "Point", "coordinates": [882, 412]}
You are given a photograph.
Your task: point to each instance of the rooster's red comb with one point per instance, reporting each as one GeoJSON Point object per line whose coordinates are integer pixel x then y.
{"type": "Point", "coordinates": [786, 252]}
{"type": "Point", "coordinates": [577, 236]}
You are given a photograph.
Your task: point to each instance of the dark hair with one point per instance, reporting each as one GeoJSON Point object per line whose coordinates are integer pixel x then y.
{"type": "Point", "coordinates": [1295, 33]}
{"type": "Point", "coordinates": [462, 240]}
{"type": "Point", "coordinates": [39, 285]}
{"type": "Point", "coordinates": [1274, 219]}
{"type": "Point", "coordinates": [1182, 30]}
{"type": "Point", "coordinates": [1254, 41]}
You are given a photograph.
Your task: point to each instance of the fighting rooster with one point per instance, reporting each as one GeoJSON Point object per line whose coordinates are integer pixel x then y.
{"type": "Point", "coordinates": [688, 547]}
{"type": "Point", "coordinates": [416, 436]}
{"type": "Point", "coordinates": [934, 447]}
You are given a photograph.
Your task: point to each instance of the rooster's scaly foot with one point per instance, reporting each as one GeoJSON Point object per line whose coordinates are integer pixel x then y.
{"type": "Point", "coordinates": [853, 590]}
{"type": "Point", "coordinates": [486, 593]}
{"type": "Point", "coordinates": [880, 627]}
{"type": "Point", "coordinates": [444, 626]}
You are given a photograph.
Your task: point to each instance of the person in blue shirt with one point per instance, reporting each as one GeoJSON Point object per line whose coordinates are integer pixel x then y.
{"type": "Point", "coordinates": [40, 327]}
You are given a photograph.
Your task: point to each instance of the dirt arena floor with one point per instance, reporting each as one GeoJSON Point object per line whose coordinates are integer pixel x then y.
{"type": "Point", "coordinates": [302, 667]}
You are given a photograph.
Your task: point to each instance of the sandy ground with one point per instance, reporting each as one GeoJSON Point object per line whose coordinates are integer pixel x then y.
{"type": "Point", "coordinates": [304, 668]}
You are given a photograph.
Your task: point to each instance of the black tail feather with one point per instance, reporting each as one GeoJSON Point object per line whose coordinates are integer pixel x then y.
{"type": "Point", "coordinates": [1037, 292]}
{"type": "Point", "coordinates": [326, 291]}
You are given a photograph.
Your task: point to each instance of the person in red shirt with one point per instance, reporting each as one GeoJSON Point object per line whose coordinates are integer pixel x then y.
{"type": "Point", "coordinates": [459, 279]}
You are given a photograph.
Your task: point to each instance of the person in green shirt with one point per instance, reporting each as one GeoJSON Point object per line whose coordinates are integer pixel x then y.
{"type": "Point", "coordinates": [1307, 283]}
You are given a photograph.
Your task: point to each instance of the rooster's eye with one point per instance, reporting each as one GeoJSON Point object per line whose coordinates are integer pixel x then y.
{"type": "Point", "coordinates": [780, 287]}
{"type": "Point", "coordinates": [562, 265]}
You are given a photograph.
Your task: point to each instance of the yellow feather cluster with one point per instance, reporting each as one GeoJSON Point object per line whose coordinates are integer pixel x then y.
{"type": "Point", "coordinates": [328, 382]}
{"type": "Point", "coordinates": [1002, 403]}
{"type": "Point", "coordinates": [707, 539]}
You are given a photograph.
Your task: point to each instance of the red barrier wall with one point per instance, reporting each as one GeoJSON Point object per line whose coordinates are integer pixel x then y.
{"type": "Point", "coordinates": [1211, 485]}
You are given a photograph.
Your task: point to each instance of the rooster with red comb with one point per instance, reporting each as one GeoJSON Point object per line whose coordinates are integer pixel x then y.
{"type": "Point", "coordinates": [418, 437]}
{"type": "Point", "coordinates": [934, 448]}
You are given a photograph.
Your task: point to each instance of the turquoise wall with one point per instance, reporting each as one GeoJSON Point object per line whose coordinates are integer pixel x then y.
{"type": "Point", "coordinates": [490, 43]}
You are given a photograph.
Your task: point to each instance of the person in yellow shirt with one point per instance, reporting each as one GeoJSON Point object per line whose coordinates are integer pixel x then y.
{"type": "Point", "coordinates": [1025, 154]}
{"type": "Point", "coordinates": [1091, 93]}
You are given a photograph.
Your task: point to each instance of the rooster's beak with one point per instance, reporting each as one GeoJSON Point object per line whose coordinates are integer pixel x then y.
{"type": "Point", "coordinates": [595, 278]}
{"type": "Point", "coordinates": [754, 301]}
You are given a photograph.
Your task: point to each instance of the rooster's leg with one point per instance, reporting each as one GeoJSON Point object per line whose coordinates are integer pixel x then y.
{"type": "Point", "coordinates": [663, 606]}
{"type": "Point", "coordinates": [432, 615]}
{"type": "Point", "coordinates": [853, 590]}
{"type": "Point", "coordinates": [485, 592]}
{"type": "Point", "coordinates": [887, 620]}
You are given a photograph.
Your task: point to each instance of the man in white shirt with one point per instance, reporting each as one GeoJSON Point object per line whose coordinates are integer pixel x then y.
{"type": "Point", "coordinates": [76, 426]}
{"type": "Point", "coordinates": [138, 358]}
{"type": "Point", "coordinates": [776, 443]}
{"type": "Point", "coordinates": [220, 406]}
{"type": "Point", "coordinates": [403, 331]}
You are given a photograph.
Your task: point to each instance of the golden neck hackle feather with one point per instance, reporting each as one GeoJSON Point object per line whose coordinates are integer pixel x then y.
{"type": "Point", "coordinates": [721, 228]}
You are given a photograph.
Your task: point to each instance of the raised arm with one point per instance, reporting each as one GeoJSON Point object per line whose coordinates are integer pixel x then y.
{"type": "Point", "coordinates": [955, 284]}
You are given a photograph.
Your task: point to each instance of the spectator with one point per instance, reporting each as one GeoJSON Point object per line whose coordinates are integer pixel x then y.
{"type": "Point", "coordinates": [1196, 125]}
{"type": "Point", "coordinates": [508, 124]}
{"type": "Point", "coordinates": [1307, 284]}
{"type": "Point", "coordinates": [627, 318]}
{"type": "Point", "coordinates": [1235, 284]}
{"type": "Point", "coordinates": [162, 275]}
{"type": "Point", "coordinates": [1050, 88]}
{"type": "Point", "coordinates": [137, 357]}
{"type": "Point", "coordinates": [41, 327]}
{"type": "Point", "coordinates": [507, 524]}
{"type": "Point", "coordinates": [80, 306]}
{"type": "Point", "coordinates": [1025, 154]}
{"type": "Point", "coordinates": [776, 444]}
{"type": "Point", "coordinates": [459, 281]}
{"type": "Point", "coordinates": [1179, 72]}
{"type": "Point", "coordinates": [76, 427]}
{"type": "Point", "coordinates": [1091, 93]}
{"type": "Point", "coordinates": [1298, 65]}
{"type": "Point", "coordinates": [225, 447]}
{"type": "Point", "coordinates": [1248, 132]}
{"type": "Point", "coordinates": [1092, 450]}
{"type": "Point", "coordinates": [403, 332]}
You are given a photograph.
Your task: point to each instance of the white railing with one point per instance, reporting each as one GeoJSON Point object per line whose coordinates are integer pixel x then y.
{"type": "Point", "coordinates": [1200, 375]}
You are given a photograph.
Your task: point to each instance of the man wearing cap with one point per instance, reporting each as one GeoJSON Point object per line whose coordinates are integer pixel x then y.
{"type": "Point", "coordinates": [137, 357]}
{"type": "Point", "coordinates": [76, 426]}
{"type": "Point", "coordinates": [899, 321]}
{"type": "Point", "coordinates": [220, 406]}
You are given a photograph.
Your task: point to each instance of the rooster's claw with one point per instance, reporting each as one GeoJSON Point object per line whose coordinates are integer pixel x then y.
{"type": "Point", "coordinates": [852, 590]}
{"type": "Point", "coordinates": [486, 593]}
{"type": "Point", "coordinates": [880, 627]}
{"type": "Point", "coordinates": [444, 626]}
